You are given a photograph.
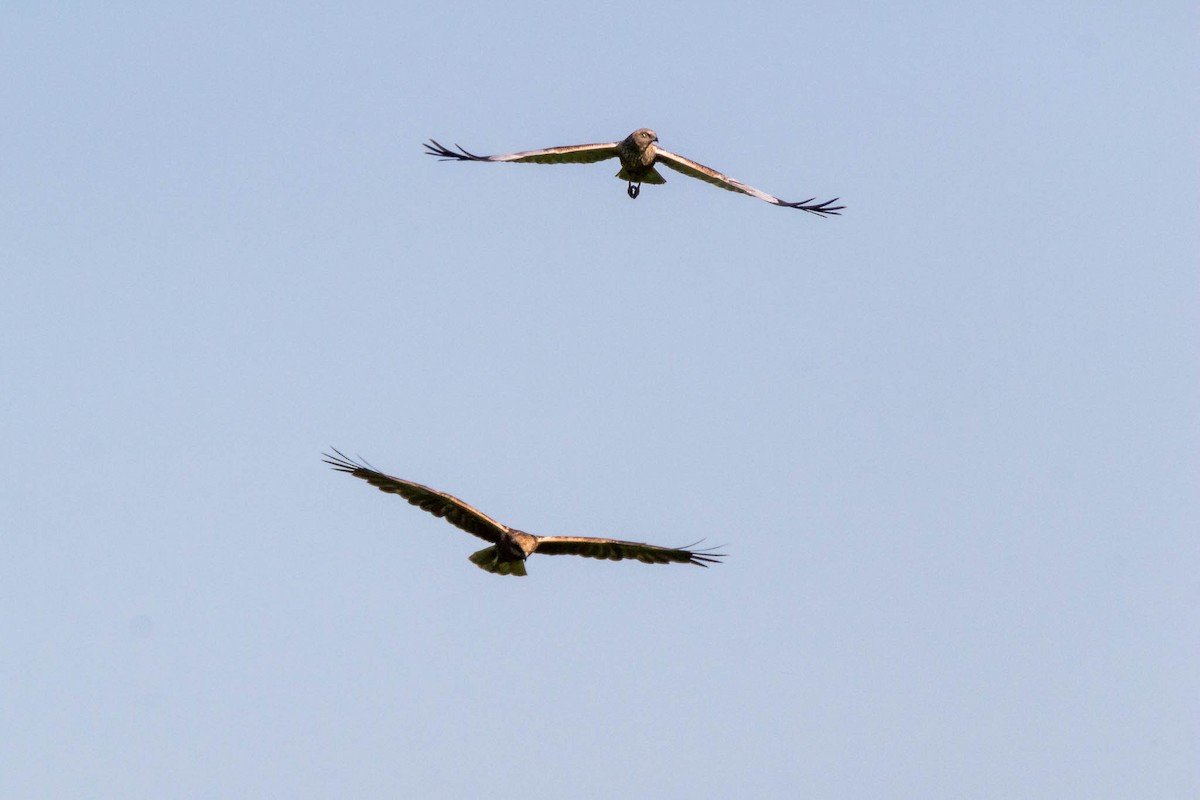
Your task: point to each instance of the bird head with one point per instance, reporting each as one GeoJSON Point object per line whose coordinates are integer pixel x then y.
{"type": "Point", "coordinates": [644, 136]}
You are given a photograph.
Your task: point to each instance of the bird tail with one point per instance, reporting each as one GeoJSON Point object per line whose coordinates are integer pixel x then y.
{"type": "Point", "coordinates": [650, 177]}
{"type": "Point", "coordinates": [489, 559]}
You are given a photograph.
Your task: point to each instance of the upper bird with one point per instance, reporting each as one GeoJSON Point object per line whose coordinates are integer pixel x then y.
{"type": "Point", "coordinates": [510, 546]}
{"type": "Point", "coordinates": [638, 152]}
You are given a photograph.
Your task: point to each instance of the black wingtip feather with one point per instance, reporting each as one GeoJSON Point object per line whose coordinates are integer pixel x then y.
{"type": "Point", "coordinates": [343, 463]}
{"type": "Point", "coordinates": [820, 209]}
{"type": "Point", "coordinates": [435, 148]}
{"type": "Point", "coordinates": [704, 556]}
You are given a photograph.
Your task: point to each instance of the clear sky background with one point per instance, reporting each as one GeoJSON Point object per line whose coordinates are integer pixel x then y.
{"type": "Point", "coordinates": [950, 440]}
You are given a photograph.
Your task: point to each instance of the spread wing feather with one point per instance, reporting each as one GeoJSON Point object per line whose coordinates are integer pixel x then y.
{"type": "Point", "coordinates": [571, 154]}
{"type": "Point", "coordinates": [617, 550]}
{"type": "Point", "coordinates": [440, 504]}
{"type": "Point", "coordinates": [694, 169]}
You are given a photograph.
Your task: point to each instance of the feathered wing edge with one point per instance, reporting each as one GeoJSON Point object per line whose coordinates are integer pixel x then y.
{"type": "Point", "coordinates": [697, 170]}
{"type": "Point", "coordinates": [448, 507]}
{"type": "Point", "coordinates": [618, 550]}
{"type": "Point", "coordinates": [570, 154]}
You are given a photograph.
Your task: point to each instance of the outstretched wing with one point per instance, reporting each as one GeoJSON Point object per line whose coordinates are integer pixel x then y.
{"type": "Point", "coordinates": [709, 175]}
{"type": "Point", "coordinates": [448, 507]}
{"type": "Point", "coordinates": [571, 154]}
{"type": "Point", "coordinates": [617, 550]}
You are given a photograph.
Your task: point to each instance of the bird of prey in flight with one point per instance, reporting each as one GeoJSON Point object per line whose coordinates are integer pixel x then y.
{"type": "Point", "coordinates": [639, 153]}
{"type": "Point", "coordinates": [510, 547]}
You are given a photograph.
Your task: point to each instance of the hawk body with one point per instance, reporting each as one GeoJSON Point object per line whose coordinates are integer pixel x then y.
{"type": "Point", "coordinates": [511, 547]}
{"type": "Point", "coordinates": [638, 153]}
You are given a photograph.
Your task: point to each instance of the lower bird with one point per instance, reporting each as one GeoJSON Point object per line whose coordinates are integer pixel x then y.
{"type": "Point", "coordinates": [639, 153]}
{"type": "Point", "coordinates": [510, 547]}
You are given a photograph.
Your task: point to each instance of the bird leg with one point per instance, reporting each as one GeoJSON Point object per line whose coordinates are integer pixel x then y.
{"type": "Point", "coordinates": [634, 189]}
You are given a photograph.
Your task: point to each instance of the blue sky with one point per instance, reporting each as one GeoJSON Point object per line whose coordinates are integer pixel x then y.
{"type": "Point", "coordinates": [949, 440]}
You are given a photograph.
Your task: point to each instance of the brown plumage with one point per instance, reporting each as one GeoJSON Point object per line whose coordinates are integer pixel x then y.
{"type": "Point", "coordinates": [639, 153]}
{"type": "Point", "coordinates": [510, 547]}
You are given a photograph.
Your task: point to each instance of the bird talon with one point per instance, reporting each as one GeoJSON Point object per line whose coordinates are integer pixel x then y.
{"type": "Point", "coordinates": [634, 190]}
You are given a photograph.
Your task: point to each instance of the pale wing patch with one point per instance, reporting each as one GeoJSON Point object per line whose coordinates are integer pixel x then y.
{"type": "Point", "coordinates": [574, 154]}
{"type": "Point", "coordinates": [694, 169]}
{"type": "Point", "coordinates": [571, 154]}
{"type": "Point", "coordinates": [709, 175]}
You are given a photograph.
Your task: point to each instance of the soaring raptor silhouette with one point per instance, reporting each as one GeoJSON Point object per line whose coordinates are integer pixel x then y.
{"type": "Point", "coordinates": [510, 547]}
{"type": "Point", "coordinates": [639, 153]}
